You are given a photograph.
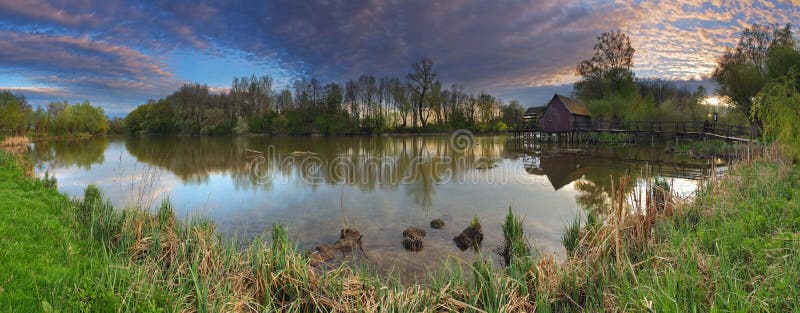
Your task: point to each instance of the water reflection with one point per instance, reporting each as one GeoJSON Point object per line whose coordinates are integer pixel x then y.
{"type": "Point", "coordinates": [591, 172]}
{"type": "Point", "coordinates": [81, 153]}
{"type": "Point", "coordinates": [381, 185]}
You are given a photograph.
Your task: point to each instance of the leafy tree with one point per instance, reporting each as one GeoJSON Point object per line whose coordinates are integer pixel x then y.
{"type": "Point", "coordinates": [741, 73]}
{"type": "Point", "coordinates": [609, 69]}
{"type": "Point", "coordinates": [13, 112]}
{"type": "Point", "coordinates": [512, 113]}
{"type": "Point", "coordinates": [777, 104]}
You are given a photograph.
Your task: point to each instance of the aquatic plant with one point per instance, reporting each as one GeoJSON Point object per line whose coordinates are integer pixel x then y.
{"type": "Point", "coordinates": [515, 246]}
{"type": "Point", "coordinates": [571, 235]}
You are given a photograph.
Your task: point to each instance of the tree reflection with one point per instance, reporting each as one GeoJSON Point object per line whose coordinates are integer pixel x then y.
{"type": "Point", "coordinates": [591, 171]}
{"type": "Point", "coordinates": [368, 163]}
{"type": "Point", "coordinates": [82, 153]}
{"type": "Point", "coordinates": [592, 197]}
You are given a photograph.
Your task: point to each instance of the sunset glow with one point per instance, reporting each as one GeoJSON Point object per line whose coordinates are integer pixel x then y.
{"type": "Point", "coordinates": [119, 53]}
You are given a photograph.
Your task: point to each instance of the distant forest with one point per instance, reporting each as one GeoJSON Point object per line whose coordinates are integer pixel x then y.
{"type": "Point", "coordinates": [365, 105]}
{"type": "Point", "coordinates": [59, 118]}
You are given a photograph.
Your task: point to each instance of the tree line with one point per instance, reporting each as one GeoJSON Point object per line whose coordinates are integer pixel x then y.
{"type": "Point", "coordinates": [367, 104]}
{"type": "Point", "coordinates": [612, 92]}
{"type": "Point", "coordinates": [59, 118]}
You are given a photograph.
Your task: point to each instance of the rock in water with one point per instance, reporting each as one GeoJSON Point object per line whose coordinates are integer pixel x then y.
{"type": "Point", "coordinates": [412, 243]}
{"type": "Point", "coordinates": [345, 245]}
{"type": "Point", "coordinates": [413, 231]}
{"type": "Point", "coordinates": [350, 238]}
{"type": "Point", "coordinates": [470, 237]}
{"type": "Point", "coordinates": [350, 233]}
{"type": "Point", "coordinates": [412, 238]}
{"type": "Point", "coordinates": [323, 254]}
{"type": "Point", "coordinates": [437, 223]}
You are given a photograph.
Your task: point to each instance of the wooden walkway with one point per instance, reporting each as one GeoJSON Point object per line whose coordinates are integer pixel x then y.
{"type": "Point", "coordinates": [660, 129]}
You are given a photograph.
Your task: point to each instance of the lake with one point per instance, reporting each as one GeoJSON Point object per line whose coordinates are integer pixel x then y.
{"type": "Point", "coordinates": [379, 185]}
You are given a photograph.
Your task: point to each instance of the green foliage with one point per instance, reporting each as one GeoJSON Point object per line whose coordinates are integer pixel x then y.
{"type": "Point", "coordinates": [512, 113]}
{"type": "Point", "coordinates": [153, 117]}
{"type": "Point", "coordinates": [13, 112]}
{"type": "Point", "coordinates": [612, 94]}
{"type": "Point", "coordinates": [778, 107]}
{"type": "Point", "coordinates": [241, 127]}
{"type": "Point", "coordinates": [608, 71]}
{"type": "Point", "coordinates": [116, 125]}
{"type": "Point", "coordinates": [499, 126]}
{"type": "Point", "coordinates": [60, 118]}
{"type": "Point", "coordinates": [572, 235]}
{"type": "Point", "coordinates": [280, 124]}
{"type": "Point", "coordinates": [475, 222]}
{"type": "Point", "coordinates": [366, 105]}
{"type": "Point", "coordinates": [647, 100]}
{"type": "Point", "coordinates": [764, 52]}
{"type": "Point", "coordinates": [517, 252]}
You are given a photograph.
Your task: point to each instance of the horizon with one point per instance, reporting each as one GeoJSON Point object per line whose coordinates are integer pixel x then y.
{"type": "Point", "coordinates": [118, 54]}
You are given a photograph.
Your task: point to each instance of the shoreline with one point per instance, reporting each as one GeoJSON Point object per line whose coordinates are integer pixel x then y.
{"type": "Point", "coordinates": [221, 281]}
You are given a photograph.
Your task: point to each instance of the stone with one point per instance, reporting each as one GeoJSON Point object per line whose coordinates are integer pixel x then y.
{"type": "Point", "coordinates": [413, 231]}
{"type": "Point", "coordinates": [470, 237]}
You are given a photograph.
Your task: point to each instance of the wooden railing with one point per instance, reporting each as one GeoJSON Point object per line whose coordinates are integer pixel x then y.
{"type": "Point", "coordinates": [671, 127]}
{"type": "Point", "coordinates": [719, 130]}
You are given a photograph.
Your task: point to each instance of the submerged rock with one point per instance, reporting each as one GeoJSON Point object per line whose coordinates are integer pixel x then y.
{"type": "Point", "coordinates": [349, 239]}
{"type": "Point", "coordinates": [413, 231]}
{"type": "Point", "coordinates": [323, 254]}
{"type": "Point", "coordinates": [470, 237]}
{"type": "Point", "coordinates": [412, 243]}
{"type": "Point", "coordinates": [412, 238]}
{"type": "Point", "coordinates": [437, 223]}
{"type": "Point", "coordinates": [346, 244]}
{"type": "Point", "coordinates": [350, 233]}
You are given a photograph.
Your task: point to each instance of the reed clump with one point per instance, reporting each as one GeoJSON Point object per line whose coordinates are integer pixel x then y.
{"type": "Point", "coordinates": [14, 141]}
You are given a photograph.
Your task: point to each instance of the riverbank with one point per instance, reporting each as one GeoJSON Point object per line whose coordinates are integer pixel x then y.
{"type": "Point", "coordinates": [735, 248]}
{"type": "Point", "coordinates": [44, 260]}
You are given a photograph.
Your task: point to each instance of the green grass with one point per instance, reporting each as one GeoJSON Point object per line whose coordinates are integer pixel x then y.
{"type": "Point", "coordinates": [44, 262]}
{"type": "Point", "coordinates": [743, 254]}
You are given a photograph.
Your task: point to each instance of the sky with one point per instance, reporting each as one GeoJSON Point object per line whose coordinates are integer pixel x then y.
{"type": "Point", "coordinates": [118, 54]}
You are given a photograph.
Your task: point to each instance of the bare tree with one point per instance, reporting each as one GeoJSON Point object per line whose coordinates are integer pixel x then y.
{"type": "Point", "coordinates": [420, 82]}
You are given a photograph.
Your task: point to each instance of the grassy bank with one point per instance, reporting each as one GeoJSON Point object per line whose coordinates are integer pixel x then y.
{"type": "Point", "coordinates": [733, 249]}
{"type": "Point", "coordinates": [44, 260]}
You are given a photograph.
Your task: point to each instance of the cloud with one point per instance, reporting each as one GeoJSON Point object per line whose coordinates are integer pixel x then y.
{"type": "Point", "coordinates": [81, 65]}
{"type": "Point", "coordinates": [115, 48]}
{"type": "Point", "coordinates": [37, 10]}
{"type": "Point", "coordinates": [35, 90]}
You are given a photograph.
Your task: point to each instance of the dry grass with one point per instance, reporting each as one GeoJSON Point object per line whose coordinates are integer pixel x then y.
{"type": "Point", "coordinates": [14, 141]}
{"type": "Point", "coordinates": [18, 146]}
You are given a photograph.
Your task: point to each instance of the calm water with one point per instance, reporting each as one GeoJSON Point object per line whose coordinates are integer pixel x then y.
{"type": "Point", "coordinates": [380, 185]}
